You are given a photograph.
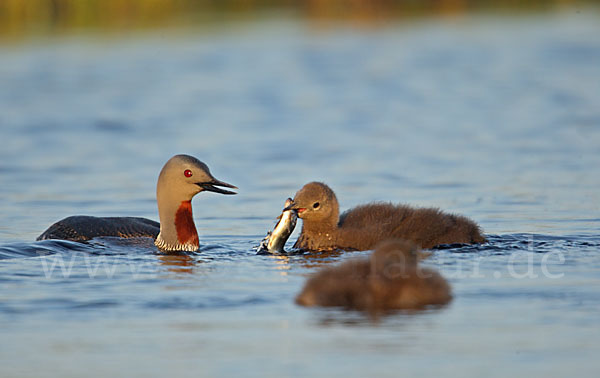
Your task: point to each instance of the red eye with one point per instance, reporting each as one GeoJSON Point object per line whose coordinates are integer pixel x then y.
{"type": "Point", "coordinates": [187, 173]}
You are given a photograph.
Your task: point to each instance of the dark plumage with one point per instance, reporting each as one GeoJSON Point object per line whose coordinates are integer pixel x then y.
{"type": "Point", "coordinates": [390, 279]}
{"type": "Point", "coordinates": [82, 227]}
{"type": "Point", "coordinates": [362, 227]}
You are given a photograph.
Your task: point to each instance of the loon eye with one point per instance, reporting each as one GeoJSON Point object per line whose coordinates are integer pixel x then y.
{"type": "Point", "coordinates": [316, 205]}
{"type": "Point", "coordinates": [187, 173]}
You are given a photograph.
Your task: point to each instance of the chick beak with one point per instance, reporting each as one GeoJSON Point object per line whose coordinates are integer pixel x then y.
{"type": "Point", "coordinates": [294, 206]}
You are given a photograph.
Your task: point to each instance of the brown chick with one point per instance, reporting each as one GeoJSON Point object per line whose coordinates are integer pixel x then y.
{"type": "Point", "coordinates": [362, 227]}
{"type": "Point", "coordinates": [389, 280]}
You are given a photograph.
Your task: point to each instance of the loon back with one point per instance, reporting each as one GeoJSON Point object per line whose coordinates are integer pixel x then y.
{"type": "Point", "coordinates": [81, 228]}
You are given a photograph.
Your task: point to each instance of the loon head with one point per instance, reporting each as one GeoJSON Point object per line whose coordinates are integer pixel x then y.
{"type": "Point", "coordinates": [394, 257]}
{"type": "Point", "coordinates": [316, 204]}
{"type": "Point", "coordinates": [184, 176]}
{"type": "Point", "coordinates": [181, 178]}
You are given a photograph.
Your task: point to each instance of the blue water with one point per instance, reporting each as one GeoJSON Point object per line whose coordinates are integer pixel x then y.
{"type": "Point", "coordinates": [494, 118]}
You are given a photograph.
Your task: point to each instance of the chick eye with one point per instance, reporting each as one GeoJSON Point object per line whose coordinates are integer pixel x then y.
{"type": "Point", "coordinates": [187, 173]}
{"type": "Point", "coordinates": [316, 205]}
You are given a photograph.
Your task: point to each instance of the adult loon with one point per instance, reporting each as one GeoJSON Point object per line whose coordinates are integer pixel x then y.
{"type": "Point", "coordinates": [181, 178]}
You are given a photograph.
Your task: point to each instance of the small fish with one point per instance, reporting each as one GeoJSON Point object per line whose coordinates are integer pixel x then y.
{"type": "Point", "coordinates": [275, 240]}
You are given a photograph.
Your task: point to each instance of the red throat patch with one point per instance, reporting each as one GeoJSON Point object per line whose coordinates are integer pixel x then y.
{"type": "Point", "coordinates": [184, 223]}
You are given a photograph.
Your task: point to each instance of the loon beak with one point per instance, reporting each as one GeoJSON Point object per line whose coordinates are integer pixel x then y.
{"type": "Point", "coordinates": [213, 185]}
{"type": "Point", "coordinates": [293, 206]}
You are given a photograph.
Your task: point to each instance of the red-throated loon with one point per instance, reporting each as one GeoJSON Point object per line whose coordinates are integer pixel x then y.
{"type": "Point", "coordinates": [181, 178]}
{"type": "Point", "coordinates": [362, 227]}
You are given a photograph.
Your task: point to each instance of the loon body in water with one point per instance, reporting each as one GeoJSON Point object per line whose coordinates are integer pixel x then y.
{"type": "Point", "coordinates": [390, 279]}
{"type": "Point", "coordinates": [362, 227]}
{"type": "Point", "coordinates": [181, 178]}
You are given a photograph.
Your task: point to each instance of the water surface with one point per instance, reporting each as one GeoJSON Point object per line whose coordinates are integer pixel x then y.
{"type": "Point", "coordinates": [496, 119]}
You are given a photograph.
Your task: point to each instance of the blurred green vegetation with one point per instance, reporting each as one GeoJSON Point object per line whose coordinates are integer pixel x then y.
{"type": "Point", "coordinates": [22, 18]}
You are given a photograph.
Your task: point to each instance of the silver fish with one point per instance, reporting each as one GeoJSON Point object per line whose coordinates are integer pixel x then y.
{"type": "Point", "coordinates": [275, 240]}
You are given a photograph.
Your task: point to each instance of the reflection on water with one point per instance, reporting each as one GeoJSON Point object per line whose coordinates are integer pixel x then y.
{"type": "Point", "coordinates": [496, 119]}
{"type": "Point", "coordinates": [179, 263]}
{"type": "Point", "coordinates": [319, 259]}
{"type": "Point", "coordinates": [282, 263]}
{"type": "Point", "coordinates": [310, 260]}
{"type": "Point", "coordinates": [306, 259]}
